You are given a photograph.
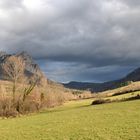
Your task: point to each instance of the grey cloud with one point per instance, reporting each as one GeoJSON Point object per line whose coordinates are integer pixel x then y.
{"type": "Point", "coordinates": [130, 3]}
{"type": "Point", "coordinates": [6, 4]}
{"type": "Point", "coordinates": [64, 72]}
{"type": "Point", "coordinates": [96, 34]}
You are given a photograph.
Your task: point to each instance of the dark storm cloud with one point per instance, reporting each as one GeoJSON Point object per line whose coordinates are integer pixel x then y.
{"type": "Point", "coordinates": [73, 35]}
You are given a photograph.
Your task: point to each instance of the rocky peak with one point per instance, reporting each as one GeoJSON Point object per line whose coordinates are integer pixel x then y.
{"type": "Point", "coordinates": [26, 57]}
{"type": "Point", "coordinates": [31, 66]}
{"type": "Point", "coordinates": [2, 53]}
{"type": "Point", "coordinates": [3, 56]}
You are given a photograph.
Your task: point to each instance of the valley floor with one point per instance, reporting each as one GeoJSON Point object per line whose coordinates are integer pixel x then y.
{"type": "Point", "coordinates": [77, 120]}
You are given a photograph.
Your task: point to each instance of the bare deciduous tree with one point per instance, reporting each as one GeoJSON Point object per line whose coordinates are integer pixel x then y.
{"type": "Point", "coordinates": [14, 68]}
{"type": "Point", "coordinates": [33, 81]}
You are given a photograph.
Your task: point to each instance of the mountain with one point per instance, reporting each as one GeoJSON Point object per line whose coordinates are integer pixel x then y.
{"type": "Point", "coordinates": [31, 67]}
{"type": "Point", "coordinates": [53, 90]}
{"type": "Point", "coordinates": [99, 87]}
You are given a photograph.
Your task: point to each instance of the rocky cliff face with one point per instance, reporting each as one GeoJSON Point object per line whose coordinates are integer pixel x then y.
{"type": "Point", "coordinates": [30, 64]}
{"type": "Point", "coordinates": [3, 56]}
{"type": "Point", "coordinates": [31, 68]}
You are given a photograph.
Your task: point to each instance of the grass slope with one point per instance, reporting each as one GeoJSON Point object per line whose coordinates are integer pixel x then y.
{"type": "Point", "coordinates": [77, 120]}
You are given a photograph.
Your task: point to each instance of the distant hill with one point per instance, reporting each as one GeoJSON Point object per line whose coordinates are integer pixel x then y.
{"type": "Point", "coordinates": [99, 87]}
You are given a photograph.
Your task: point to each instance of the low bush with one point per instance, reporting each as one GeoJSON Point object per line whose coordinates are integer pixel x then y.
{"type": "Point", "coordinates": [28, 106]}
{"type": "Point", "coordinates": [100, 101]}
{"type": "Point", "coordinates": [54, 99]}
{"type": "Point", "coordinates": [7, 107]}
{"type": "Point", "coordinates": [10, 108]}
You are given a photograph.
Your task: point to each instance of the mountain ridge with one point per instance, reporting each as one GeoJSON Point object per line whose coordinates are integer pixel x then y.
{"type": "Point", "coordinates": [99, 87]}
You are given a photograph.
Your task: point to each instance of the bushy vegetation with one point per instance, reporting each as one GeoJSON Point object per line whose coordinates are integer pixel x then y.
{"type": "Point", "coordinates": [22, 95]}
{"type": "Point", "coordinates": [125, 83]}
{"type": "Point", "coordinates": [29, 101]}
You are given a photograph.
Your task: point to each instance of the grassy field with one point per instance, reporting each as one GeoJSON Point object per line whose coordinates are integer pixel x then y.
{"type": "Point", "coordinates": [77, 120]}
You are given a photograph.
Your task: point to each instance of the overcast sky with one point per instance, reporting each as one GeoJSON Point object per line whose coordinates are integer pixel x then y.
{"type": "Point", "coordinates": [74, 40]}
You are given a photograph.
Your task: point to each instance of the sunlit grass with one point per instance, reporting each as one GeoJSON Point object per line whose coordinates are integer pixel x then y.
{"type": "Point", "coordinates": [77, 120]}
{"type": "Point", "coordinates": [125, 96]}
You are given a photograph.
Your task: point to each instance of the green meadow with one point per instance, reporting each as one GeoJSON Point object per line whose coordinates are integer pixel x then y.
{"type": "Point", "coordinates": [77, 120]}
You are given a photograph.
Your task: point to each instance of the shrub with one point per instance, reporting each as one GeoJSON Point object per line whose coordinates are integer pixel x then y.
{"type": "Point", "coordinates": [54, 99]}
{"type": "Point", "coordinates": [7, 108]}
{"type": "Point", "coordinates": [28, 106]}
{"type": "Point", "coordinates": [100, 101]}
